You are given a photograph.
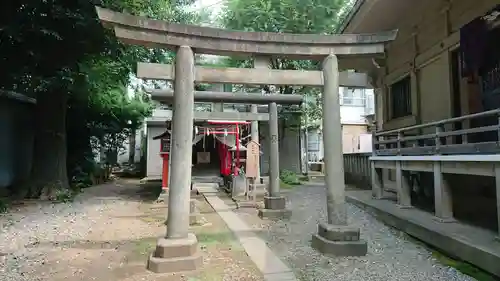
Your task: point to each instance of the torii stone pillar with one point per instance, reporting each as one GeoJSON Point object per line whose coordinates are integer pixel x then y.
{"type": "Point", "coordinates": [217, 106]}
{"type": "Point", "coordinates": [335, 237]}
{"type": "Point", "coordinates": [274, 203]}
{"type": "Point", "coordinates": [179, 250]}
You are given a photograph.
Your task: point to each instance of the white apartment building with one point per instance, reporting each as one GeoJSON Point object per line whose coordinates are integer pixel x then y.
{"type": "Point", "coordinates": [355, 105]}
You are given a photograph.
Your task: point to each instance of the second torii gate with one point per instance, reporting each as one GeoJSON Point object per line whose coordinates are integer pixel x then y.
{"type": "Point", "coordinates": [167, 96]}
{"type": "Point", "coordinates": [178, 251]}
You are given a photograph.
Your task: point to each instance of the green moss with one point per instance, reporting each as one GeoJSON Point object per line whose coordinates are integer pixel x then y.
{"type": "Point", "coordinates": [461, 266]}
{"type": "Point", "coordinates": [215, 238]}
{"type": "Point", "coordinates": [144, 246]}
{"type": "Point", "coordinates": [222, 238]}
{"type": "Point", "coordinates": [464, 267]}
{"type": "Point", "coordinates": [285, 185]}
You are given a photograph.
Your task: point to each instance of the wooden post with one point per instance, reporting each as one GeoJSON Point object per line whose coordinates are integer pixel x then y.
{"type": "Point", "coordinates": [443, 206]}
{"type": "Point", "coordinates": [400, 136]}
{"type": "Point", "coordinates": [437, 138]}
{"type": "Point", "coordinates": [403, 188]}
{"type": "Point", "coordinates": [252, 170]}
{"type": "Point", "coordinates": [164, 175]}
{"type": "Point", "coordinates": [377, 182]}
{"type": "Point", "coordinates": [497, 183]}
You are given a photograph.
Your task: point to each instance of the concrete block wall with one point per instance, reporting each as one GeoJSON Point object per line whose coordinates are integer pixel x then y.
{"type": "Point", "coordinates": [153, 159]}
{"type": "Point", "coordinates": [16, 139]}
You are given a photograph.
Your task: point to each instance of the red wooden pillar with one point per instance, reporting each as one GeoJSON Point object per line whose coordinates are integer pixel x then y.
{"type": "Point", "coordinates": [165, 153]}
{"type": "Point", "coordinates": [164, 175]}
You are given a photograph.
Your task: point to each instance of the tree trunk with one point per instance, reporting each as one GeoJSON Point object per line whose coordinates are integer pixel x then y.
{"type": "Point", "coordinates": [49, 171]}
{"type": "Point", "coordinates": [131, 148]}
{"type": "Point", "coordinates": [102, 151]}
{"type": "Point", "coordinates": [79, 161]}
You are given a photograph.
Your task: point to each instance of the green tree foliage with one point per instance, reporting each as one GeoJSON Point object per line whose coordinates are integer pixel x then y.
{"type": "Point", "coordinates": [287, 16]}
{"type": "Point", "coordinates": [58, 52]}
{"type": "Point", "coordinates": [284, 16]}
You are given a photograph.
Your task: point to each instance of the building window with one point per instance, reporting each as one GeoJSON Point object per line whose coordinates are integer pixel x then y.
{"type": "Point", "coordinates": [400, 97]}
{"type": "Point", "coordinates": [352, 97]}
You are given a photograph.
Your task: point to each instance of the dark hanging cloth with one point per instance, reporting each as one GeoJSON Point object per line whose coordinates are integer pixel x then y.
{"type": "Point", "coordinates": [473, 42]}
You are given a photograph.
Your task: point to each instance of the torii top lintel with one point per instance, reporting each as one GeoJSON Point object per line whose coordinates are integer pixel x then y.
{"type": "Point", "coordinates": [155, 33]}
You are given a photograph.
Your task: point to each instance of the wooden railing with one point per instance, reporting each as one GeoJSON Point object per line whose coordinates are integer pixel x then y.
{"type": "Point", "coordinates": [357, 170]}
{"type": "Point", "coordinates": [445, 137]}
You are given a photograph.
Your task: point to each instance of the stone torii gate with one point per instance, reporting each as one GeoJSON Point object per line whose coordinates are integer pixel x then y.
{"type": "Point", "coordinates": [178, 251]}
{"type": "Point", "coordinates": [275, 205]}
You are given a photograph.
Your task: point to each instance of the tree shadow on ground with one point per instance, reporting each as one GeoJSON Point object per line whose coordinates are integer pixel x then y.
{"type": "Point", "coordinates": [122, 189]}
{"type": "Point", "coordinates": [143, 192]}
{"type": "Point", "coordinates": [204, 238]}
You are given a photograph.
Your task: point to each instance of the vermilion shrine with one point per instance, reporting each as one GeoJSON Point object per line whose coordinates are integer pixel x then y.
{"type": "Point", "coordinates": [227, 132]}
{"type": "Point", "coordinates": [178, 251]}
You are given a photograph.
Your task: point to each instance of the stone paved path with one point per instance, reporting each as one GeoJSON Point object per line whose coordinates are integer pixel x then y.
{"type": "Point", "coordinates": [392, 256]}
{"type": "Point", "coordinates": [268, 263]}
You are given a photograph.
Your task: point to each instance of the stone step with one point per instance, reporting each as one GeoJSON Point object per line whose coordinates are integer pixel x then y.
{"type": "Point", "coordinates": [206, 179]}
{"type": "Point", "coordinates": [316, 177]}
{"type": "Point", "coordinates": [246, 204]}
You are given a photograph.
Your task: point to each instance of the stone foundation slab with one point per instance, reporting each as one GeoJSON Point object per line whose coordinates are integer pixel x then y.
{"type": "Point", "coordinates": [338, 233]}
{"type": "Point", "coordinates": [175, 255]}
{"type": "Point", "coordinates": [274, 203]}
{"type": "Point", "coordinates": [275, 214]}
{"type": "Point", "coordinates": [339, 248]}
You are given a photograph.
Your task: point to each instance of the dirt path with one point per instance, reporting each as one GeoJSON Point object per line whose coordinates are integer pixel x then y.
{"type": "Point", "coordinates": [107, 234]}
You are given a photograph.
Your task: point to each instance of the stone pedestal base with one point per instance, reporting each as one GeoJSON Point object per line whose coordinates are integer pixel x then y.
{"type": "Point", "coordinates": [194, 219]}
{"type": "Point", "coordinates": [404, 206]}
{"type": "Point", "coordinates": [383, 197]}
{"type": "Point", "coordinates": [275, 203]}
{"type": "Point", "coordinates": [194, 214]}
{"type": "Point", "coordinates": [195, 194]}
{"type": "Point", "coordinates": [260, 189]}
{"type": "Point", "coordinates": [275, 208]}
{"type": "Point", "coordinates": [175, 255]}
{"type": "Point", "coordinates": [282, 214]}
{"type": "Point", "coordinates": [163, 197]}
{"type": "Point", "coordinates": [339, 241]}
{"type": "Point", "coordinates": [444, 220]}
{"type": "Point", "coordinates": [246, 204]}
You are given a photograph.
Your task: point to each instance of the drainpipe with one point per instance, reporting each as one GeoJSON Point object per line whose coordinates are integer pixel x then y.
{"type": "Point", "coordinates": [306, 137]}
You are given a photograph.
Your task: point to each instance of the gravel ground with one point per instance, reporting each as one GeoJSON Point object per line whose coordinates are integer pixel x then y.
{"type": "Point", "coordinates": [107, 233]}
{"type": "Point", "coordinates": [391, 255]}
{"type": "Point", "coordinates": [34, 235]}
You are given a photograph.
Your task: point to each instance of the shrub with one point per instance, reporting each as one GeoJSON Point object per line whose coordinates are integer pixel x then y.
{"type": "Point", "coordinates": [289, 177]}
{"type": "Point", "coordinates": [4, 205]}
{"type": "Point", "coordinates": [64, 195]}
